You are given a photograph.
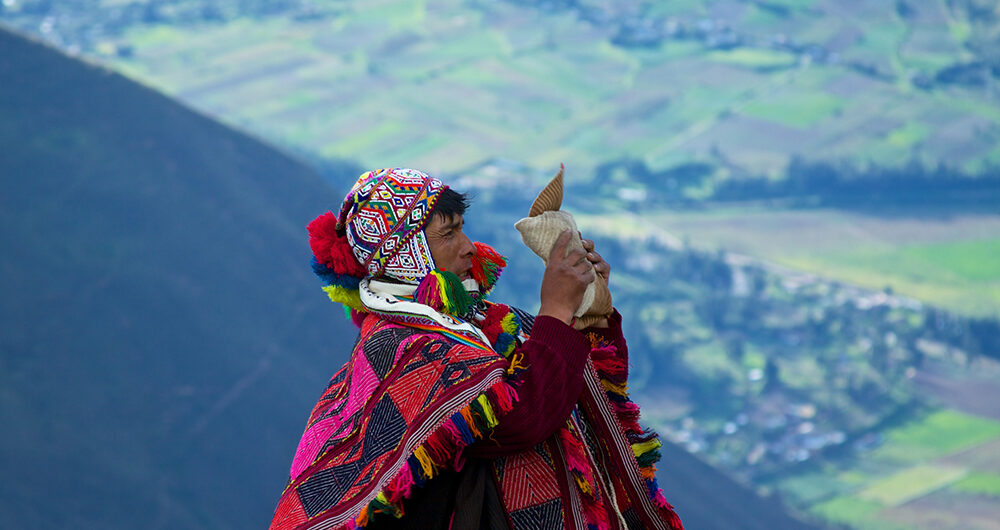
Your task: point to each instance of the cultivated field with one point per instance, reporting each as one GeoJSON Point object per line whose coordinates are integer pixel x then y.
{"type": "Point", "coordinates": [447, 83]}
{"type": "Point", "coordinates": [743, 87]}
{"type": "Point", "coordinates": [951, 259]}
{"type": "Point", "coordinates": [927, 474]}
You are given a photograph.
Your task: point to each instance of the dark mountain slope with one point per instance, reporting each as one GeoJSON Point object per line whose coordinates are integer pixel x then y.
{"type": "Point", "coordinates": [162, 335]}
{"type": "Point", "coordinates": [707, 499]}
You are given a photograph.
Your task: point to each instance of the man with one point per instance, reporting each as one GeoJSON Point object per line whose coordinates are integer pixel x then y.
{"type": "Point", "coordinates": [455, 412]}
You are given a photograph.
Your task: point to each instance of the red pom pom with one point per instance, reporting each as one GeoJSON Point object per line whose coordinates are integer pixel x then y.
{"type": "Point", "coordinates": [487, 264]}
{"type": "Point", "coordinates": [492, 320]}
{"type": "Point", "coordinates": [322, 235]}
{"type": "Point", "coordinates": [331, 248]}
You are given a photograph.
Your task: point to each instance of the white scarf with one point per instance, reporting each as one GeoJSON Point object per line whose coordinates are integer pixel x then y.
{"type": "Point", "coordinates": [384, 297]}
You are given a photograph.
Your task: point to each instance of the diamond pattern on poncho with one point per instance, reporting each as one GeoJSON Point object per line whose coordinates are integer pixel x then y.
{"type": "Point", "coordinates": [546, 516]}
{"type": "Point", "coordinates": [380, 349]}
{"type": "Point", "coordinates": [385, 429]}
{"type": "Point", "coordinates": [527, 481]}
{"type": "Point", "coordinates": [325, 488]}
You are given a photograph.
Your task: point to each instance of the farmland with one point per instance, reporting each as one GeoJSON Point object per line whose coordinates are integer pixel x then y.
{"type": "Point", "coordinates": [925, 475]}
{"type": "Point", "coordinates": [686, 81]}
{"type": "Point", "coordinates": [741, 88]}
{"type": "Point", "coordinates": [951, 260]}
{"type": "Point", "coordinates": [847, 403]}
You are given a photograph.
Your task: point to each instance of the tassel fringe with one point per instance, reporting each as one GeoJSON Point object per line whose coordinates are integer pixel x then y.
{"type": "Point", "coordinates": [613, 373]}
{"type": "Point", "coordinates": [501, 326]}
{"type": "Point", "coordinates": [486, 266]}
{"type": "Point", "coordinates": [443, 291]}
{"type": "Point", "coordinates": [442, 450]}
{"type": "Point", "coordinates": [583, 474]}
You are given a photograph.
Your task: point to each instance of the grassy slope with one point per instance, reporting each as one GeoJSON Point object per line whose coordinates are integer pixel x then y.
{"type": "Point", "coordinates": [459, 82]}
{"type": "Point", "coordinates": [161, 339]}
{"type": "Point", "coordinates": [158, 317]}
{"type": "Point", "coordinates": [464, 81]}
{"type": "Point", "coordinates": [924, 476]}
{"type": "Point", "coordinates": [948, 258]}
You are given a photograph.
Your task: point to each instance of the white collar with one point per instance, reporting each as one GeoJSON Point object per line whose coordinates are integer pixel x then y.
{"type": "Point", "coordinates": [383, 297]}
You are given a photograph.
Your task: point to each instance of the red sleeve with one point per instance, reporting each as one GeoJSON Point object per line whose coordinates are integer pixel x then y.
{"type": "Point", "coordinates": [549, 388]}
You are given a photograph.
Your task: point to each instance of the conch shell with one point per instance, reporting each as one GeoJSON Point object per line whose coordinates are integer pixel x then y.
{"type": "Point", "coordinates": [541, 229]}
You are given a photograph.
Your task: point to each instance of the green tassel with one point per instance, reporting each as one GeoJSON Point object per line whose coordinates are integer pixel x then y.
{"type": "Point", "coordinates": [379, 505]}
{"type": "Point", "coordinates": [648, 459]}
{"type": "Point", "coordinates": [479, 415]}
{"type": "Point", "coordinates": [457, 301]}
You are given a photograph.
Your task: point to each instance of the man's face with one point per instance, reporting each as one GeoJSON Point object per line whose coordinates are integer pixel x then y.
{"type": "Point", "coordinates": [450, 247]}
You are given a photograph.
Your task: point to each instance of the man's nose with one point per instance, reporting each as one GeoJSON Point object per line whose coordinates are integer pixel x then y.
{"type": "Point", "coordinates": [470, 248]}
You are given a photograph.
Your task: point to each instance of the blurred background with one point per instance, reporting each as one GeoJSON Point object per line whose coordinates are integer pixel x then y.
{"type": "Point", "coordinates": [800, 200]}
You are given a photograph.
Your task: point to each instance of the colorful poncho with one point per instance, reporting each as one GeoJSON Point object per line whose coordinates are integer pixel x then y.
{"type": "Point", "coordinates": [422, 386]}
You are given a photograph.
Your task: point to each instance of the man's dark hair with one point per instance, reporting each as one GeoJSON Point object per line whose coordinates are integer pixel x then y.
{"type": "Point", "coordinates": [450, 203]}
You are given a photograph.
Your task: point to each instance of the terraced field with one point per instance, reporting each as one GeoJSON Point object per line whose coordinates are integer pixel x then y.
{"type": "Point", "coordinates": [448, 83]}
{"type": "Point", "coordinates": [951, 259]}
{"type": "Point", "coordinates": [927, 474]}
{"type": "Point", "coordinates": [741, 86]}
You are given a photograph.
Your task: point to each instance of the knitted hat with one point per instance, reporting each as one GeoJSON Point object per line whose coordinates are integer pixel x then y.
{"type": "Point", "coordinates": [380, 233]}
{"type": "Point", "coordinates": [384, 216]}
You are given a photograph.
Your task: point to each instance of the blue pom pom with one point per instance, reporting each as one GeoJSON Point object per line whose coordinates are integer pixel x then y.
{"type": "Point", "coordinates": [332, 278]}
{"type": "Point", "coordinates": [505, 343]}
{"type": "Point", "coordinates": [653, 487]}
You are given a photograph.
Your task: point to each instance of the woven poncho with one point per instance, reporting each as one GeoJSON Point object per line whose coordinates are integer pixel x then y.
{"type": "Point", "coordinates": [416, 394]}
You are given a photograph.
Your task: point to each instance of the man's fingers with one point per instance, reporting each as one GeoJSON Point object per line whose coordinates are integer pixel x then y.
{"type": "Point", "coordinates": [576, 256]}
{"type": "Point", "coordinates": [559, 249]}
{"type": "Point", "coordinates": [588, 245]}
{"type": "Point", "coordinates": [583, 266]}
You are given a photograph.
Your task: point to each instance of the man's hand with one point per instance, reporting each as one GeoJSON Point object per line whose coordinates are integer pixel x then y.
{"type": "Point", "coordinates": [566, 277]}
{"type": "Point", "coordinates": [603, 270]}
{"type": "Point", "coordinates": [602, 267]}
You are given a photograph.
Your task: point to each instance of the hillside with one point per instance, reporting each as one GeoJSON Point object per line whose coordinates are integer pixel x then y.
{"type": "Point", "coordinates": [162, 339]}
{"type": "Point", "coordinates": [884, 109]}
{"type": "Point", "coordinates": [162, 335]}
{"type": "Point", "coordinates": [742, 85]}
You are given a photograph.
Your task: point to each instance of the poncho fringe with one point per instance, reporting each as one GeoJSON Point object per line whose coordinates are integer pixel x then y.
{"type": "Point", "coordinates": [441, 450]}
{"type": "Point", "coordinates": [613, 374]}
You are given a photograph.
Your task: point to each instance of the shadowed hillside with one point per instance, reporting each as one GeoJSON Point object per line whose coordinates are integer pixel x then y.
{"type": "Point", "coordinates": [162, 335]}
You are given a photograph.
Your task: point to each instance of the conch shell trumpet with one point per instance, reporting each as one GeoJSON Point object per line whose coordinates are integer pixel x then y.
{"type": "Point", "coordinates": [541, 229]}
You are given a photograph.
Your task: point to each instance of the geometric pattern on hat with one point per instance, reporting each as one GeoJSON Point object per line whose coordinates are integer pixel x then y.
{"type": "Point", "coordinates": [384, 216]}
